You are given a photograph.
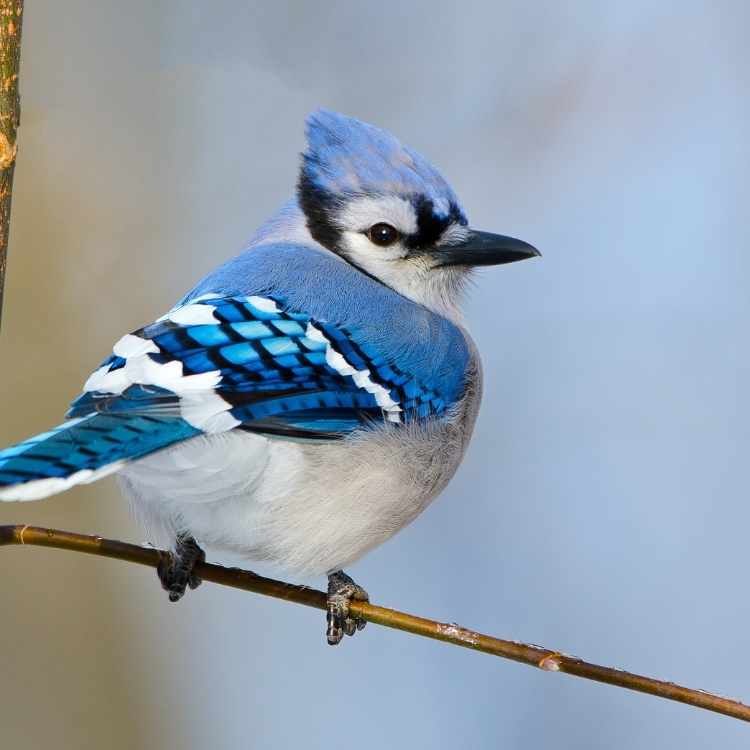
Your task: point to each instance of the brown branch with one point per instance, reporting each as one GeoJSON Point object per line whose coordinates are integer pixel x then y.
{"type": "Point", "coordinates": [535, 656]}
{"type": "Point", "coordinates": [10, 55]}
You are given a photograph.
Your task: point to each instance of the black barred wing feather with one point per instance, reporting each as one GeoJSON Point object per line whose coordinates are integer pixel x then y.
{"type": "Point", "coordinates": [248, 362]}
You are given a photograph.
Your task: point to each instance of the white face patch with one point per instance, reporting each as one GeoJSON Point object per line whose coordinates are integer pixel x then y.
{"type": "Point", "coordinates": [413, 275]}
{"type": "Point", "coordinates": [360, 214]}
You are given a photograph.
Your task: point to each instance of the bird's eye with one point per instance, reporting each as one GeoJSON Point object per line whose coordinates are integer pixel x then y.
{"type": "Point", "coordinates": [383, 234]}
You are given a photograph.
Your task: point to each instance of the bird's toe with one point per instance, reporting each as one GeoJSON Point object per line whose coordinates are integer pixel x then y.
{"type": "Point", "coordinates": [342, 590]}
{"type": "Point", "coordinates": [176, 569]}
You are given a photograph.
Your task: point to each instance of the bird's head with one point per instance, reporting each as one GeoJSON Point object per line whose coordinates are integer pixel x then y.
{"type": "Point", "coordinates": [386, 210]}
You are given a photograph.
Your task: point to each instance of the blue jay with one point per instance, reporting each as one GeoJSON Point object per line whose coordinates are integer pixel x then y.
{"type": "Point", "coordinates": [308, 398]}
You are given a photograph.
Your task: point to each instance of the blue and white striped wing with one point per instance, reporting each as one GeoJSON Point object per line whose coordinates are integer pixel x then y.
{"type": "Point", "coordinates": [212, 365]}
{"type": "Point", "coordinates": [249, 362]}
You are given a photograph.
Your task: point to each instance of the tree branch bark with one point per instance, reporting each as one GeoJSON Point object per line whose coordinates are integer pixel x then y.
{"type": "Point", "coordinates": [535, 656]}
{"type": "Point", "coordinates": [11, 16]}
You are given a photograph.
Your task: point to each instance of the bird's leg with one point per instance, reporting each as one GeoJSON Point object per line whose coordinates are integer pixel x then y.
{"type": "Point", "coordinates": [175, 569]}
{"type": "Point", "coordinates": [341, 591]}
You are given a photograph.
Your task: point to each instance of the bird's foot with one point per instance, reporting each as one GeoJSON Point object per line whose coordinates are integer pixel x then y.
{"type": "Point", "coordinates": [341, 591]}
{"type": "Point", "coordinates": [175, 569]}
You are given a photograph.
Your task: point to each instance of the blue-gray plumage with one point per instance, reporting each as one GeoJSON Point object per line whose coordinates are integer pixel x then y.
{"type": "Point", "coordinates": [308, 398]}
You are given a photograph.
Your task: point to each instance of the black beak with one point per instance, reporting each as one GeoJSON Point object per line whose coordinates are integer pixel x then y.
{"type": "Point", "coordinates": [484, 249]}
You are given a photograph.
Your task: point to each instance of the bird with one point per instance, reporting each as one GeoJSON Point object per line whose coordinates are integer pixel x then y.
{"type": "Point", "coordinates": [308, 398]}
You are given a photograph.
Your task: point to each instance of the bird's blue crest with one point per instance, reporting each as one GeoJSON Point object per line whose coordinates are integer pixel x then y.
{"type": "Point", "coordinates": [347, 157]}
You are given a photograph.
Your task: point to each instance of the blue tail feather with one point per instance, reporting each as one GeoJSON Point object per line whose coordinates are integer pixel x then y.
{"type": "Point", "coordinates": [81, 450]}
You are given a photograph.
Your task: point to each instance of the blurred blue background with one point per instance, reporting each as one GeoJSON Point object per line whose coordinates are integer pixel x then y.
{"type": "Point", "coordinates": [602, 508]}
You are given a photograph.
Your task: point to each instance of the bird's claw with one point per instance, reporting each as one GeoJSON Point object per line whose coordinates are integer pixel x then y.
{"type": "Point", "coordinates": [341, 591]}
{"type": "Point", "coordinates": [175, 569]}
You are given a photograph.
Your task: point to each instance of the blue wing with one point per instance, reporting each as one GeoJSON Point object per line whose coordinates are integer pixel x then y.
{"type": "Point", "coordinates": [267, 369]}
{"type": "Point", "coordinates": [223, 363]}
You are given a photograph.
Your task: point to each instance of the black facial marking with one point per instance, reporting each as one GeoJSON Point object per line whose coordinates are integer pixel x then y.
{"type": "Point", "coordinates": [319, 206]}
{"type": "Point", "coordinates": [430, 226]}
